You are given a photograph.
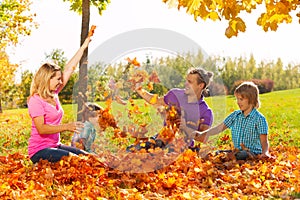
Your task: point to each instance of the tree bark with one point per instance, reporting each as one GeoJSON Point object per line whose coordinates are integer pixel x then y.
{"type": "Point", "coordinates": [82, 90]}
{"type": "Point", "coordinates": [1, 111]}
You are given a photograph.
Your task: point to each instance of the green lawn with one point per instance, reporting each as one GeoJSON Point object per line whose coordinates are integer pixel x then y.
{"type": "Point", "coordinates": [281, 108]}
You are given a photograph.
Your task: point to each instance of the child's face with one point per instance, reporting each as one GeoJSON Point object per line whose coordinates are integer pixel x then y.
{"type": "Point", "coordinates": [243, 104]}
{"type": "Point", "coordinates": [94, 120]}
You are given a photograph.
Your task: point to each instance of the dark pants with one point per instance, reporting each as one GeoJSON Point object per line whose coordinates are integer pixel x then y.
{"type": "Point", "coordinates": [55, 154]}
{"type": "Point", "coordinates": [241, 155]}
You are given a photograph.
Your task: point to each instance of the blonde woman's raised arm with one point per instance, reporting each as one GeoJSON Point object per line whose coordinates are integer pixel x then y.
{"type": "Point", "coordinates": [72, 64]}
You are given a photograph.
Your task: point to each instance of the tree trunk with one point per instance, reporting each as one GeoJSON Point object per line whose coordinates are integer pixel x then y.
{"type": "Point", "coordinates": [82, 90]}
{"type": "Point", "coordinates": [1, 111]}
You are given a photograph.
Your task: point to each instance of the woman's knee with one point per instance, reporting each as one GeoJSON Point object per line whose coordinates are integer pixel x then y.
{"type": "Point", "coordinates": [50, 154]}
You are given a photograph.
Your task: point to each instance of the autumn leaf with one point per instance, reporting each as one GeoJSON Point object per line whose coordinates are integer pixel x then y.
{"type": "Point", "coordinates": [214, 16]}
{"type": "Point", "coordinates": [154, 77]}
{"type": "Point", "coordinates": [133, 62]}
{"type": "Point", "coordinates": [276, 12]}
{"type": "Point", "coordinates": [154, 98]}
{"type": "Point", "coordinates": [91, 31]}
{"type": "Point", "coordinates": [230, 32]}
{"type": "Point", "coordinates": [150, 86]}
{"type": "Point", "coordinates": [225, 137]}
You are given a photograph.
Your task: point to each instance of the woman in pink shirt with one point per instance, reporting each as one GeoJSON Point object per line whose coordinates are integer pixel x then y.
{"type": "Point", "coordinates": [46, 111]}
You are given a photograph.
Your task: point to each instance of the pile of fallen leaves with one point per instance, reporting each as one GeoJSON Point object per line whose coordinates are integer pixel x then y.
{"type": "Point", "coordinates": [188, 177]}
{"type": "Point", "coordinates": [154, 173]}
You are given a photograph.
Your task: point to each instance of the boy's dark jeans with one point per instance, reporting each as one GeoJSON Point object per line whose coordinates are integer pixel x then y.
{"type": "Point", "coordinates": [241, 155]}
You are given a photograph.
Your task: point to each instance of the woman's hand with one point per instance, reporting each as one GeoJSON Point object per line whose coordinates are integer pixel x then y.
{"type": "Point", "coordinates": [88, 38]}
{"type": "Point", "coordinates": [74, 127]}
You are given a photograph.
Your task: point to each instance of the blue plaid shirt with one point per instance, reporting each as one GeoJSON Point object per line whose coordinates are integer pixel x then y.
{"type": "Point", "coordinates": [247, 130]}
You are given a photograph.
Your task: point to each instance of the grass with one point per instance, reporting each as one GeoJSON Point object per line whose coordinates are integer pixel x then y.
{"type": "Point", "coordinates": [281, 109]}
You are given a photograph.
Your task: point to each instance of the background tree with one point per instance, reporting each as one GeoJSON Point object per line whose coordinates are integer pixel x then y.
{"type": "Point", "coordinates": [276, 12]}
{"type": "Point", "coordinates": [7, 74]}
{"type": "Point", "coordinates": [57, 56]}
{"type": "Point", "coordinates": [15, 21]}
{"type": "Point", "coordinates": [24, 88]}
{"type": "Point", "coordinates": [83, 7]}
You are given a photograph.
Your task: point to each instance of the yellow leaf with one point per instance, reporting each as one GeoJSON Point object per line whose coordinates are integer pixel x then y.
{"type": "Point", "coordinates": [232, 24]}
{"type": "Point", "coordinates": [264, 168]}
{"type": "Point", "coordinates": [276, 169]}
{"type": "Point", "coordinates": [170, 182]}
{"type": "Point", "coordinates": [5, 186]}
{"type": "Point", "coordinates": [226, 13]}
{"type": "Point", "coordinates": [193, 6]}
{"type": "Point", "coordinates": [267, 184]}
{"type": "Point", "coordinates": [196, 169]}
{"type": "Point", "coordinates": [256, 183]}
{"type": "Point", "coordinates": [171, 3]}
{"type": "Point", "coordinates": [143, 144]}
{"type": "Point", "coordinates": [292, 158]}
{"type": "Point", "coordinates": [240, 25]}
{"type": "Point", "coordinates": [153, 100]}
{"type": "Point", "coordinates": [161, 176]}
{"type": "Point", "coordinates": [187, 195]}
{"type": "Point", "coordinates": [210, 181]}
{"type": "Point", "coordinates": [273, 26]}
{"type": "Point", "coordinates": [229, 32]}
{"type": "Point", "coordinates": [213, 16]}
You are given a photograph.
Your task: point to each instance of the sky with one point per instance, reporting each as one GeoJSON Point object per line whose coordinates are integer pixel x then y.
{"type": "Point", "coordinates": [60, 29]}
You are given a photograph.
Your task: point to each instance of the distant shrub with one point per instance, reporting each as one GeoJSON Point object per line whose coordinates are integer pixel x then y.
{"type": "Point", "coordinates": [216, 89]}
{"type": "Point", "coordinates": [264, 85]}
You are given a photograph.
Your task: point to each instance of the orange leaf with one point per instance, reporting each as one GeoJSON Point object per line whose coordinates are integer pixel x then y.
{"type": "Point", "coordinates": [154, 77]}
{"type": "Point", "coordinates": [134, 62]}
{"type": "Point", "coordinates": [92, 30]}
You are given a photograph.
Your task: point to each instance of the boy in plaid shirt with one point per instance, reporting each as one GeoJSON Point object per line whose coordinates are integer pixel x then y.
{"type": "Point", "coordinates": [249, 127]}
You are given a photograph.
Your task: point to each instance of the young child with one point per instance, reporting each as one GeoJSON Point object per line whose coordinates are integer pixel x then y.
{"type": "Point", "coordinates": [248, 126]}
{"type": "Point", "coordinates": [87, 136]}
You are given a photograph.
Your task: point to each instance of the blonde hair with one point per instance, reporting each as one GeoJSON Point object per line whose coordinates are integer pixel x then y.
{"type": "Point", "coordinates": [41, 80]}
{"type": "Point", "coordinates": [249, 91]}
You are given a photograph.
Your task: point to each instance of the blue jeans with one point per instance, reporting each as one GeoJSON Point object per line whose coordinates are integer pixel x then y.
{"type": "Point", "coordinates": [55, 154]}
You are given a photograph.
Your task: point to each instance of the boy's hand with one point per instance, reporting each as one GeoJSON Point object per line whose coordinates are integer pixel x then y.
{"type": "Point", "coordinates": [268, 156]}
{"type": "Point", "coordinates": [200, 136]}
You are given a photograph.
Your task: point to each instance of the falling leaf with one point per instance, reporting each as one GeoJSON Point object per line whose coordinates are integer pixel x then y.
{"type": "Point", "coordinates": [133, 62]}
{"type": "Point", "coordinates": [154, 98]}
{"type": "Point", "coordinates": [154, 77]}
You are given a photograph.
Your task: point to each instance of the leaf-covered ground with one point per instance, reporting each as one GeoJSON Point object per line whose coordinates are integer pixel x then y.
{"type": "Point", "coordinates": [189, 177]}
